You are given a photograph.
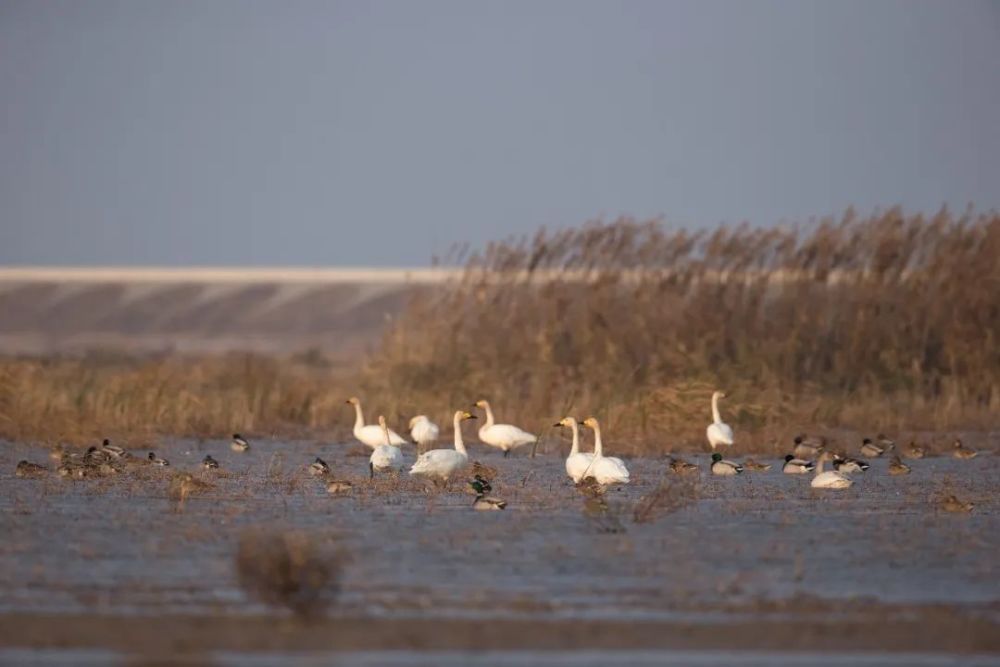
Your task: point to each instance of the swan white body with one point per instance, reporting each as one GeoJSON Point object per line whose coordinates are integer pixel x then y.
{"type": "Point", "coordinates": [370, 434]}
{"type": "Point", "coordinates": [577, 463]}
{"type": "Point", "coordinates": [386, 456]}
{"type": "Point", "coordinates": [504, 437]}
{"type": "Point", "coordinates": [830, 479]}
{"type": "Point", "coordinates": [604, 469]}
{"type": "Point", "coordinates": [718, 432]}
{"type": "Point", "coordinates": [423, 431]}
{"type": "Point", "coordinates": [442, 464]}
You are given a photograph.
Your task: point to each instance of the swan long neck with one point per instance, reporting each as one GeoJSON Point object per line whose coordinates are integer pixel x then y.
{"type": "Point", "coordinates": [359, 417]}
{"type": "Point", "coordinates": [459, 445]}
{"type": "Point", "coordinates": [819, 465]}
{"type": "Point", "coordinates": [598, 446]}
{"type": "Point", "coordinates": [715, 409]}
{"type": "Point", "coordinates": [489, 415]}
{"type": "Point", "coordinates": [385, 432]}
{"type": "Point", "coordinates": [576, 438]}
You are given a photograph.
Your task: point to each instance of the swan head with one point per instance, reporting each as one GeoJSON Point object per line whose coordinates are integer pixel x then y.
{"type": "Point", "coordinates": [462, 415]}
{"type": "Point", "coordinates": [482, 404]}
{"type": "Point", "coordinates": [591, 422]}
{"type": "Point", "coordinates": [716, 457]}
{"type": "Point", "coordinates": [353, 400]}
{"type": "Point", "coordinates": [718, 394]}
{"type": "Point", "coordinates": [566, 421]}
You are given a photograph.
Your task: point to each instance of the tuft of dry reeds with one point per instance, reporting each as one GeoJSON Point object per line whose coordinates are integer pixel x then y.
{"type": "Point", "coordinates": [884, 322]}
{"type": "Point", "coordinates": [289, 569]}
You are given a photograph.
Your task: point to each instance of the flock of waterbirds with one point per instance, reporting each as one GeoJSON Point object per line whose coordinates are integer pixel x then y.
{"type": "Point", "coordinates": [592, 472]}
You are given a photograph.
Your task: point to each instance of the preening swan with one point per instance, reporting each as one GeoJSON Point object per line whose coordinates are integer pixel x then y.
{"type": "Point", "coordinates": [577, 463]}
{"type": "Point", "coordinates": [606, 470]}
{"type": "Point", "coordinates": [370, 434]}
{"type": "Point", "coordinates": [718, 432]}
{"type": "Point", "coordinates": [442, 464]}
{"type": "Point", "coordinates": [830, 479]}
{"type": "Point", "coordinates": [423, 431]}
{"type": "Point", "coordinates": [725, 468]}
{"type": "Point", "coordinates": [502, 436]}
{"type": "Point", "coordinates": [386, 456]}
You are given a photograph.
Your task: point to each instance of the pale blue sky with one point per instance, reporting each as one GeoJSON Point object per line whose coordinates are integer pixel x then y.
{"type": "Point", "coordinates": [375, 133]}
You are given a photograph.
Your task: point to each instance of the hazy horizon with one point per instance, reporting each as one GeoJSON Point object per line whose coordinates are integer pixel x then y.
{"type": "Point", "coordinates": [378, 134]}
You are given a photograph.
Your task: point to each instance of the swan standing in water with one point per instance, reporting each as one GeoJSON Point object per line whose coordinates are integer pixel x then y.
{"type": "Point", "coordinates": [605, 469]}
{"type": "Point", "coordinates": [502, 436]}
{"type": "Point", "coordinates": [441, 464]}
{"type": "Point", "coordinates": [386, 456]}
{"type": "Point", "coordinates": [831, 479]}
{"type": "Point", "coordinates": [718, 432]}
{"type": "Point", "coordinates": [423, 431]}
{"type": "Point", "coordinates": [577, 463]}
{"type": "Point", "coordinates": [370, 434]}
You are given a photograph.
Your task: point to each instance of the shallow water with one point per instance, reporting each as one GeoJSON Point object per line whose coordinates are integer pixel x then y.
{"type": "Point", "coordinates": [120, 546]}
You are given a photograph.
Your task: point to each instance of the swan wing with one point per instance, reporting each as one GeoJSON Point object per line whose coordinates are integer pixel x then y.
{"type": "Point", "coordinates": [505, 436]}
{"type": "Point", "coordinates": [371, 435]}
{"type": "Point", "coordinates": [608, 471]}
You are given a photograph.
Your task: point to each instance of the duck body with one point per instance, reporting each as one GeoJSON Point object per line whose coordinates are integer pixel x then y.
{"type": "Point", "coordinates": [808, 448]}
{"type": "Point", "coordinates": [339, 487]}
{"type": "Point", "coordinates": [682, 467]}
{"type": "Point", "coordinates": [960, 451]}
{"type": "Point", "coordinates": [754, 466]}
{"type": "Point", "coordinates": [504, 437]}
{"type": "Point", "coordinates": [487, 503]}
{"type": "Point", "coordinates": [319, 467]}
{"type": "Point", "coordinates": [208, 463]}
{"type": "Point", "coordinates": [723, 467]}
{"type": "Point", "coordinates": [441, 465]}
{"type": "Point", "coordinates": [27, 469]}
{"type": "Point", "coordinates": [849, 465]}
{"type": "Point", "coordinates": [718, 433]}
{"type": "Point", "coordinates": [795, 466]}
{"type": "Point", "coordinates": [239, 443]}
{"type": "Point", "coordinates": [897, 467]}
{"type": "Point", "coordinates": [914, 451]}
{"type": "Point", "coordinates": [370, 434]}
{"type": "Point", "coordinates": [157, 461]}
{"type": "Point", "coordinates": [113, 451]}
{"type": "Point", "coordinates": [951, 503]}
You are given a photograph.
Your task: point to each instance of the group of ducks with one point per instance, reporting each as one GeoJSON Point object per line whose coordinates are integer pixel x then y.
{"type": "Point", "coordinates": [593, 468]}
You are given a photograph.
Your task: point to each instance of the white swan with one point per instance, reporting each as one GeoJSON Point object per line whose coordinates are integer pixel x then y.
{"type": "Point", "coordinates": [577, 463]}
{"type": "Point", "coordinates": [441, 464]}
{"type": "Point", "coordinates": [606, 470]}
{"type": "Point", "coordinates": [831, 479]}
{"type": "Point", "coordinates": [718, 432]}
{"type": "Point", "coordinates": [502, 436]}
{"type": "Point", "coordinates": [370, 434]}
{"type": "Point", "coordinates": [423, 431]}
{"type": "Point", "coordinates": [386, 456]}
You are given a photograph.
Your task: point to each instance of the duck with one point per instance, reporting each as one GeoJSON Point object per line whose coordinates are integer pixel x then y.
{"type": "Point", "coordinates": [319, 468]}
{"type": "Point", "coordinates": [440, 465]}
{"type": "Point", "coordinates": [831, 479]}
{"type": "Point", "coordinates": [960, 451]}
{"type": "Point", "coordinates": [847, 464]}
{"type": "Point", "coordinates": [808, 448]}
{"type": "Point", "coordinates": [951, 503]}
{"type": "Point", "coordinates": [754, 466]}
{"type": "Point", "coordinates": [95, 457]}
{"type": "Point", "coordinates": [479, 486]}
{"type": "Point", "coordinates": [29, 469]}
{"type": "Point", "coordinates": [869, 448]}
{"type": "Point", "coordinates": [370, 434]}
{"type": "Point", "coordinates": [681, 467]}
{"type": "Point", "coordinates": [114, 451]}
{"type": "Point", "coordinates": [386, 456]}
{"type": "Point", "coordinates": [339, 487]}
{"type": "Point", "coordinates": [73, 470]}
{"type": "Point", "coordinates": [504, 437]}
{"type": "Point", "coordinates": [483, 471]}
{"type": "Point", "coordinates": [208, 463]}
{"type": "Point", "coordinates": [723, 467]}
{"type": "Point", "coordinates": [157, 461]}
{"type": "Point", "coordinates": [794, 466]}
{"type": "Point", "coordinates": [423, 431]}
{"type": "Point", "coordinates": [577, 463]}
{"type": "Point", "coordinates": [718, 432]}
{"type": "Point", "coordinates": [239, 443]}
{"type": "Point", "coordinates": [487, 503]}
{"type": "Point", "coordinates": [605, 469]}
{"type": "Point", "coordinates": [183, 484]}
{"type": "Point", "coordinates": [897, 467]}
{"type": "Point", "coordinates": [914, 451]}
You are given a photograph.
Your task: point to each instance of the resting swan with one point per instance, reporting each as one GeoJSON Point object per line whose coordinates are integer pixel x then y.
{"type": "Point", "coordinates": [386, 456]}
{"type": "Point", "coordinates": [370, 434]}
{"type": "Point", "coordinates": [718, 432]}
{"type": "Point", "coordinates": [423, 431]}
{"type": "Point", "coordinates": [577, 463]}
{"type": "Point", "coordinates": [606, 470]}
{"type": "Point", "coordinates": [441, 464]}
{"type": "Point", "coordinates": [502, 436]}
{"type": "Point", "coordinates": [830, 479]}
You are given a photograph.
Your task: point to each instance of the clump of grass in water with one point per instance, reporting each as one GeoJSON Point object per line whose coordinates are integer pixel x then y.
{"type": "Point", "coordinates": [290, 569]}
{"type": "Point", "coordinates": [668, 497]}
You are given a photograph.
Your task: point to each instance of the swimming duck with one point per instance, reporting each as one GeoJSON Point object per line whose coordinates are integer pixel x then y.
{"type": "Point", "coordinates": [504, 437]}
{"type": "Point", "coordinates": [951, 503]}
{"type": "Point", "coordinates": [29, 469]}
{"type": "Point", "coordinates": [897, 467]}
{"type": "Point", "coordinates": [960, 451]}
{"type": "Point", "coordinates": [208, 463]}
{"type": "Point", "coordinates": [319, 467]}
{"type": "Point", "coordinates": [239, 443]}
{"type": "Point", "coordinates": [807, 447]}
{"type": "Point", "coordinates": [73, 470]}
{"type": "Point", "coordinates": [114, 451]}
{"type": "Point", "coordinates": [95, 457]}
{"type": "Point", "coordinates": [157, 461]}
{"type": "Point", "coordinates": [723, 467]}
{"type": "Point", "coordinates": [680, 466]}
{"type": "Point", "coordinates": [914, 451]}
{"type": "Point", "coordinates": [870, 449]}
{"type": "Point", "coordinates": [847, 464]}
{"type": "Point", "coordinates": [754, 466]}
{"type": "Point", "coordinates": [480, 486]}
{"type": "Point", "coordinates": [482, 503]}
{"type": "Point", "coordinates": [831, 479]}
{"type": "Point", "coordinates": [339, 487]}
{"type": "Point", "coordinates": [794, 466]}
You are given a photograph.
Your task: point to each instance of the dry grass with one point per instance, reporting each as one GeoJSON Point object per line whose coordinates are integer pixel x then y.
{"type": "Point", "coordinates": [670, 495]}
{"type": "Point", "coordinates": [290, 569]}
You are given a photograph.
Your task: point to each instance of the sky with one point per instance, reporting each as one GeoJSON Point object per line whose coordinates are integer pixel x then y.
{"type": "Point", "coordinates": [378, 133]}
